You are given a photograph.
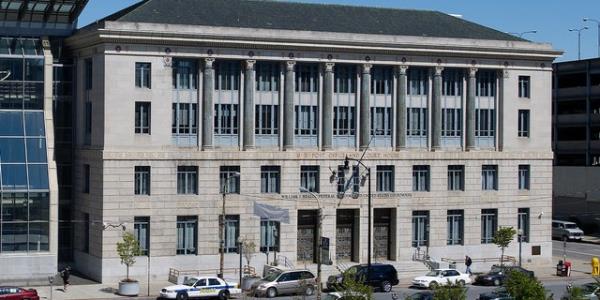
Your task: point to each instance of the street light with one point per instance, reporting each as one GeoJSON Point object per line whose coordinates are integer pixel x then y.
{"type": "Point", "coordinates": [598, 23]}
{"type": "Point", "coordinates": [224, 190]}
{"type": "Point", "coordinates": [521, 34]}
{"type": "Point", "coordinates": [520, 236]}
{"type": "Point", "coordinates": [319, 246]}
{"type": "Point", "coordinates": [579, 30]}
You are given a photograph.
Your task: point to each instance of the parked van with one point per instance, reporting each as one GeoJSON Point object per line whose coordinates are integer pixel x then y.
{"type": "Point", "coordinates": [564, 230]}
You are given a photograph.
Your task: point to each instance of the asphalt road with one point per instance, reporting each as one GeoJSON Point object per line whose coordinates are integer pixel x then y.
{"type": "Point", "coordinates": [576, 250]}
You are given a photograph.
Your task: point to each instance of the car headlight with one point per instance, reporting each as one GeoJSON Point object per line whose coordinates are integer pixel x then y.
{"type": "Point", "coordinates": [262, 286]}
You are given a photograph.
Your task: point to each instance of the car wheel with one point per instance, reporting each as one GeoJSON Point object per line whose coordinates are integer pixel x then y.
{"type": "Point", "coordinates": [386, 286]}
{"type": "Point", "coordinates": [271, 293]}
{"type": "Point", "coordinates": [565, 238]}
{"type": "Point", "coordinates": [433, 285]}
{"type": "Point", "coordinates": [309, 291]}
{"type": "Point", "coordinates": [461, 283]}
{"type": "Point", "coordinates": [223, 295]}
{"type": "Point", "coordinates": [182, 296]}
{"type": "Point", "coordinates": [496, 282]}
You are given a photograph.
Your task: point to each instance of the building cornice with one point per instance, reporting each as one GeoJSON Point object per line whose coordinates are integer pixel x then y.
{"type": "Point", "coordinates": [290, 40]}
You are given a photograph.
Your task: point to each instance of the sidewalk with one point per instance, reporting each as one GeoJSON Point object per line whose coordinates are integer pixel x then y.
{"type": "Point", "coordinates": [581, 270]}
{"type": "Point", "coordinates": [97, 291]}
{"type": "Point", "coordinates": [591, 239]}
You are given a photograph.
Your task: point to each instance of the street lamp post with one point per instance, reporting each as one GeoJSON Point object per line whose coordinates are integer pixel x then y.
{"type": "Point", "coordinates": [224, 190]}
{"type": "Point", "coordinates": [597, 23]}
{"type": "Point", "coordinates": [520, 236]}
{"type": "Point", "coordinates": [578, 30]}
{"type": "Point", "coordinates": [319, 245]}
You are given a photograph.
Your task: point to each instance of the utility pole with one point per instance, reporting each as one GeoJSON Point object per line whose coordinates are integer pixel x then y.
{"type": "Point", "coordinates": [222, 223]}
{"type": "Point", "coordinates": [319, 240]}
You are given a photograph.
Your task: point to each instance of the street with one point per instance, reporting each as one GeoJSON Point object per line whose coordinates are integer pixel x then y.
{"type": "Point", "coordinates": [576, 250]}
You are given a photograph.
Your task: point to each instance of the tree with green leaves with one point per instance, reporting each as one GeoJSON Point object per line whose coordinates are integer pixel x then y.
{"type": "Point", "coordinates": [353, 287]}
{"type": "Point", "coordinates": [502, 239]}
{"type": "Point", "coordinates": [128, 249]}
{"type": "Point", "coordinates": [523, 287]}
{"type": "Point", "coordinates": [450, 292]}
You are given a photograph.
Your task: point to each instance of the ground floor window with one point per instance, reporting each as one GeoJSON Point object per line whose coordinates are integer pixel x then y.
{"type": "Point", "coordinates": [187, 227]}
{"type": "Point", "coordinates": [269, 236]}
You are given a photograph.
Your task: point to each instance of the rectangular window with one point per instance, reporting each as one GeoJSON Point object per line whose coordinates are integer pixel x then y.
{"type": "Point", "coordinates": [307, 78]}
{"type": "Point", "coordinates": [344, 120]}
{"type": "Point", "coordinates": [226, 119]}
{"type": "Point", "coordinates": [452, 82]}
{"type": "Point", "coordinates": [524, 86]}
{"type": "Point", "coordinates": [353, 182]}
{"type": "Point", "coordinates": [270, 179]}
{"type": "Point", "coordinates": [385, 178]}
{"type": "Point", "coordinates": [451, 122]}
{"type": "Point", "coordinates": [89, 71]}
{"type": "Point", "coordinates": [455, 227]}
{"type": "Point", "coordinates": [420, 178]}
{"type": "Point", "coordinates": [267, 77]}
{"type": "Point", "coordinates": [381, 121]}
{"type": "Point", "coordinates": [489, 225]}
{"type": "Point", "coordinates": [229, 179]}
{"type": "Point", "coordinates": [523, 224]}
{"type": "Point", "coordinates": [418, 79]}
{"type": "Point", "coordinates": [185, 119]}
{"type": "Point", "coordinates": [185, 74]}
{"type": "Point", "coordinates": [266, 119]}
{"type": "Point", "coordinates": [142, 117]}
{"type": "Point", "coordinates": [456, 178]}
{"type": "Point", "coordinates": [524, 177]}
{"type": "Point", "coordinates": [227, 76]}
{"type": "Point", "coordinates": [309, 178]}
{"type": "Point", "coordinates": [88, 122]}
{"type": "Point", "coordinates": [486, 83]}
{"type": "Point", "coordinates": [187, 227]}
{"type": "Point", "coordinates": [420, 226]}
{"type": "Point", "coordinates": [86, 178]}
{"type": "Point", "coordinates": [489, 177]}
{"type": "Point", "coordinates": [485, 122]}
{"type": "Point", "coordinates": [306, 119]}
{"type": "Point", "coordinates": [141, 231]}
{"type": "Point", "coordinates": [187, 180]}
{"type": "Point", "coordinates": [86, 233]}
{"type": "Point", "coordinates": [232, 233]}
{"type": "Point", "coordinates": [345, 79]}
{"type": "Point", "coordinates": [142, 180]}
{"type": "Point", "coordinates": [416, 121]}
{"type": "Point", "coordinates": [381, 80]}
{"type": "Point", "coordinates": [142, 75]}
{"type": "Point", "coordinates": [523, 122]}
{"type": "Point", "coordinates": [269, 236]}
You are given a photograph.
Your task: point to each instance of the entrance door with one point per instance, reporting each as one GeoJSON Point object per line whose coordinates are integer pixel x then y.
{"type": "Point", "coordinates": [345, 234]}
{"type": "Point", "coordinates": [306, 239]}
{"type": "Point", "coordinates": [382, 233]}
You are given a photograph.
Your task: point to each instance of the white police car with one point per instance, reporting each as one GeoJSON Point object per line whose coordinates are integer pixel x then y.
{"type": "Point", "coordinates": [201, 287]}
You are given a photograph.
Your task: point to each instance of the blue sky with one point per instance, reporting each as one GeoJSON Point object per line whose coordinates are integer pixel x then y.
{"type": "Point", "coordinates": [551, 18]}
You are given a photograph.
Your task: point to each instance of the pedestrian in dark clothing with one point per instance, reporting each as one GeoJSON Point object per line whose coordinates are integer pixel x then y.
{"type": "Point", "coordinates": [468, 263]}
{"type": "Point", "coordinates": [65, 274]}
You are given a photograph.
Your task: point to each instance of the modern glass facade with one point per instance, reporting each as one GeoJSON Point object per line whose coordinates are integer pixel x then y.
{"type": "Point", "coordinates": [24, 186]}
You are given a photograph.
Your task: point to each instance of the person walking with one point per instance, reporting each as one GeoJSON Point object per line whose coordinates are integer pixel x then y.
{"type": "Point", "coordinates": [468, 263]}
{"type": "Point", "coordinates": [65, 274]}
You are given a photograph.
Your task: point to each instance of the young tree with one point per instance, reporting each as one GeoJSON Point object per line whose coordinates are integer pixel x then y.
{"type": "Point", "coordinates": [128, 249]}
{"type": "Point", "coordinates": [450, 292]}
{"type": "Point", "coordinates": [522, 287]}
{"type": "Point", "coordinates": [353, 287]}
{"type": "Point", "coordinates": [502, 239]}
{"type": "Point", "coordinates": [249, 249]}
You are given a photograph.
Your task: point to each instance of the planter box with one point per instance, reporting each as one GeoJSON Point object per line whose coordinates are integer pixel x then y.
{"type": "Point", "coordinates": [129, 288]}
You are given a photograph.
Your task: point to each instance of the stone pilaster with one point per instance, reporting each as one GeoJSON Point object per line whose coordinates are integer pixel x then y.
{"type": "Point", "coordinates": [470, 113]}
{"type": "Point", "coordinates": [288, 106]}
{"type": "Point", "coordinates": [207, 104]}
{"type": "Point", "coordinates": [327, 109]}
{"type": "Point", "coordinates": [249, 86]}
{"type": "Point", "coordinates": [436, 110]}
{"type": "Point", "coordinates": [401, 109]}
{"type": "Point", "coordinates": [364, 126]}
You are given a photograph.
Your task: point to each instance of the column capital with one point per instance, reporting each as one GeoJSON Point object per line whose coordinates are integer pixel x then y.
{"type": "Point", "coordinates": [250, 64]}
{"type": "Point", "coordinates": [472, 71]}
{"type": "Point", "coordinates": [289, 65]}
{"type": "Point", "coordinates": [329, 66]}
{"type": "Point", "coordinates": [401, 70]}
{"type": "Point", "coordinates": [437, 71]}
{"type": "Point", "coordinates": [366, 68]}
{"type": "Point", "coordinates": [208, 62]}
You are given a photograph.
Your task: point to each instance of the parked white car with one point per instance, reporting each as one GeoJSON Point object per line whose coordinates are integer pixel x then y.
{"type": "Point", "coordinates": [441, 277]}
{"type": "Point", "coordinates": [201, 287]}
{"type": "Point", "coordinates": [566, 230]}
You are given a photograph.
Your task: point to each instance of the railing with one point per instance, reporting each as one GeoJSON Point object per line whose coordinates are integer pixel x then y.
{"type": "Point", "coordinates": [284, 261]}
{"type": "Point", "coordinates": [506, 259]}
{"type": "Point", "coordinates": [174, 274]}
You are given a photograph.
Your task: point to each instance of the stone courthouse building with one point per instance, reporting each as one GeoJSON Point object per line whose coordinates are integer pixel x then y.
{"type": "Point", "coordinates": [176, 99]}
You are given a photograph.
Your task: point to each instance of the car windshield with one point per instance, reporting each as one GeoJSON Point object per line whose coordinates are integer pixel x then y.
{"type": "Point", "coordinates": [272, 276]}
{"type": "Point", "coordinates": [190, 281]}
{"type": "Point", "coordinates": [433, 273]}
{"type": "Point", "coordinates": [571, 226]}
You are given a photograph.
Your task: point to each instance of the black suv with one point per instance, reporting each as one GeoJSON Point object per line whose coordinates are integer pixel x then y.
{"type": "Point", "coordinates": [381, 276]}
